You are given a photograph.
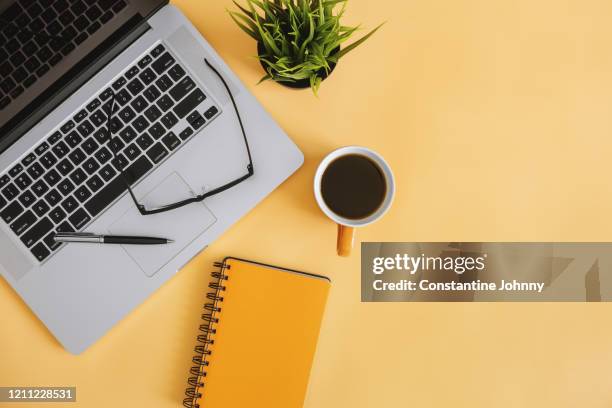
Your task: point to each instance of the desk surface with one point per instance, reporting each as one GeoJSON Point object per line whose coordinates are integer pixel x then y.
{"type": "Point", "coordinates": [496, 117]}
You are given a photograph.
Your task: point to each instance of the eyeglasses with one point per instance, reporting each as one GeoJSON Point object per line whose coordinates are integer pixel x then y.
{"type": "Point", "coordinates": [199, 198]}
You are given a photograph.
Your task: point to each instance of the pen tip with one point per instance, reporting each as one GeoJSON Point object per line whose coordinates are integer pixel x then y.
{"type": "Point", "coordinates": [170, 241]}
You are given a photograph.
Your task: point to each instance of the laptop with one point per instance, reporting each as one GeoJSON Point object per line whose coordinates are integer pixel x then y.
{"type": "Point", "coordinates": [60, 63]}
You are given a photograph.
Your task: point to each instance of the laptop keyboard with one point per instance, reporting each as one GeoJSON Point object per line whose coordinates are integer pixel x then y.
{"type": "Point", "coordinates": [70, 178]}
{"type": "Point", "coordinates": [36, 35]}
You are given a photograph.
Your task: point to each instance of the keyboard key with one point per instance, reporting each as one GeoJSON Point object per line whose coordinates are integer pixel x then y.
{"type": "Point", "coordinates": [171, 141]}
{"type": "Point", "coordinates": [116, 144]}
{"type": "Point", "coordinates": [67, 127]}
{"type": "Point", "coordinates": [35, 171]}
{"type": "Point", "coordinates": [176, 72]}
{"type": "Point", "coordinates": [10, 192]}
{"type": "Point", "coordinates": [139, 104]}
{"type": "Point", "coordinates": [23, 181]}
{"type": "Point", "coordinates": [93, 28]}
{"type": "Point", "coordinates": [164, 83]}
{"type": "Point", "coordinates": [90, 146]}
{"type": "Point", "coordinates": [40, 208]}
{"type": "Point", "coordinates": [48, 160]}
{"type": "Point", "coordinates": [117, 187]}
{"type": "Point", "coordinates": [157, 153]}
{"type": "Point", "coordinates": [120, 162]}
{"type": "Point", "coordinates": [212, 111]}
{"type": "Point", "coordinates": [65, 167]}
{"type": "Point", "coordinates": [80, 116]}
{"type": "Point", "coordinates": [73, 139]}
{"type": "Point", "coordinates": [60, 150]}
{"type": "Point", "coordinates": [182, 88]}
{"type": "Point", "coordinates": [144, 141]}
{"type": "Point", "coordinates": [103, 155]}
{"type": "Point", "coordinates": [119, 83]}
{"type": "Point", "coordinates": [93, 105]}
{"type": "Point", "coordinates": [98, 118]}
{"type": "Point", "coordinates": [65, 187]}
{"type": "Point", "coordinates": [163, 63]}
{"type": "Point", "coordinates": [185, 134]}
{"type": "Point", "coordinates": [4, 180]}
{"type": "Point", "coordinates": [57, 215]}
{"type": "Point", "coordinates": [3, 202]}
{"type": "Point", "coordinates": [82, 194]}
{"type": "Point", "coordinates": [108, 172]}
{"type": "Point", "coordinates": [85, 128]}
{"type": "Point", "coordinates": [132, 151]}
{"type": "Point", "coordinates": [37, 232]}
{"type": "Point", "coordinates": [29, 159]}
{"type": "Point", "coordinates": [39, 188]}
{"type": "Point", "coordinates": [64, 227]}
{"type": "Point", "coordinates": [147, 76]}
{"type": "Point", "coordinates": [40, 252]}
{"type": "Point", "coordinates": [157, 130]}
{"type": "Point", "coordinates": [135, 86]}
{"type": "Point", "coordinates": [91, 166]}
{"type": "Point", "coordinates": [169, 120]}
{"type": "Point", "coordinates": [52, 177]}
{"type": "Point", "coordinates": [158, 50]}
{"type": "Point", "coordinates": [196, 120]}
{"type": "Point", "coordinates": [79, 219]}
{"type": "Point", "coordinates": [132, 72]}
{"type": "Point", "coordinates": [77, 156]}
{"type": "Point", "coordinates": [78, 176]}
{"type": "Point", "coordinates": [107, 93]}
{"type": "Point", "coordinates": [127, 114]}
{"type": "Point", "coordinates": [93, 13]}
{"type": "Point", "coordinates": [128, 134]}
{"type": "Point", "coordinates": [40, 149]}
{"type": "Point", "coordinates": [153, 113]}
{"type": "Point", "coordinates": [189, 103]}
{"type": "Point", "coordinates": [49, 240]}
{"type": "Point", "coordinates": [165, 103]}
{"type": "Point", "coordinates": [24, 222]}
{"type": "Point", "coordinates": [151, 93]}
{"type": "Point", "coordinates": [69, 205]}
{"type": "Point", "coordinates": [123, 97]}
{"type": "Point", "coordinates": [115, 125]}
{"type": "Point", "coordinates": [95, 183]}
{"type": "Point", "coordinates": [11, 212]}
{"type": "Point", "coordinates": [53, 197]}
{"type": "Point", "coordinates": [26, 199]}
{"type": "Point", "coordinates": [145, 61]}
{"type": "Point", "coordinates": [101, 135]}
{"type": "Point", "coordinates": [16, 170]}
{"type": "Point", "coordinates": [54, 138]}
{"type": "Point", "coordinates": [140, 124]}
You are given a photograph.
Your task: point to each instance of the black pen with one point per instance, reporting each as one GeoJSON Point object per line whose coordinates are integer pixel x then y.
{"type": "Point", "coordinates": [85, 237]}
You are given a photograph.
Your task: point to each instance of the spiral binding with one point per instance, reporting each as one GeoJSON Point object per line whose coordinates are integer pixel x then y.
{"type": "Point", "coordinates": [208, 329]}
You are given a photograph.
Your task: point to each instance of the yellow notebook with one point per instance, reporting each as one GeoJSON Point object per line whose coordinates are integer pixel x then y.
{"type": "Point", "coordinates": [258, 339]}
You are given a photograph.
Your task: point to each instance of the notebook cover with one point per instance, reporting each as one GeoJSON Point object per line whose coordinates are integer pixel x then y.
{"type": "Point", "coordinates": [265, 338]}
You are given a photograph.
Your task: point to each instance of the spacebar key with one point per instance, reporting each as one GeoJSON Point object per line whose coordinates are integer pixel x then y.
{"type": "Point", "coordinates": [117, 187]}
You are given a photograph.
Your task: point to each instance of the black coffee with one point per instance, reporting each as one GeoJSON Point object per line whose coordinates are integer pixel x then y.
{"type": "Point", "coordinates": [353, 187]}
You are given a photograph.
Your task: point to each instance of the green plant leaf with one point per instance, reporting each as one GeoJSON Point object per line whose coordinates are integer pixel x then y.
{"type": "Point", "coordinates": [357, 43]}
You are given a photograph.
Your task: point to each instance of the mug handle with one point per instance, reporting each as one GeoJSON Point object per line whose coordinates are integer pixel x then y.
{"type": "Point", "coordinates": [346, 240]}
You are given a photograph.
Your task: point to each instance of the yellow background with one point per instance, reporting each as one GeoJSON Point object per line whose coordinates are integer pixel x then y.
{"type": "Point", "coordinates": [496, 117]}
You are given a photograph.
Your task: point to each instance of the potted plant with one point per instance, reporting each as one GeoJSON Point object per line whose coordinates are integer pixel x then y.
{"type": "Point", "coordinates": [298, 41]}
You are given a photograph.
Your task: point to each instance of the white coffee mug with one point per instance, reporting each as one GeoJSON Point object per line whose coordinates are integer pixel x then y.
{"type": "Point", "coordinates": [346, 226]}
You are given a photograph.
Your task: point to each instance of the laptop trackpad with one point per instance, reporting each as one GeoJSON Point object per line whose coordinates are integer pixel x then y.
{"type": "Point", "coordinates": [182, 225]}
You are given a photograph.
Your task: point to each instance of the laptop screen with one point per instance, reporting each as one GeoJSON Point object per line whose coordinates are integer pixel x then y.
{"type": "Point", "coordinates": [46, 46]}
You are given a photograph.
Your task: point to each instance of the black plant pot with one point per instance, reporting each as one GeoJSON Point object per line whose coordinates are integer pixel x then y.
{"type": "Point", "coordinates": [302, 83]}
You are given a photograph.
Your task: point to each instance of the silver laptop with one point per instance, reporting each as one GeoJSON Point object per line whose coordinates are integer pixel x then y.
{"type": "Point", "coordinates": [66, 162]}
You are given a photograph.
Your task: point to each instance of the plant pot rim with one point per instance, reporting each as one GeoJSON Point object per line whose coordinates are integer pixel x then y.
{"type": "Point", "coordinates": [302, 83]}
